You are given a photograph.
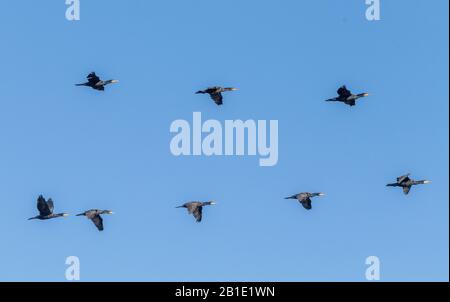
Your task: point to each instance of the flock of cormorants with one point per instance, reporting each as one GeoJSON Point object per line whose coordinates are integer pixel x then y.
{"type": "Point", "coordinates": [195, 208]}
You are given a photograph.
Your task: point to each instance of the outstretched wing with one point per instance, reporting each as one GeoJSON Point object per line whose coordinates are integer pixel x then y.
{"type": "Point", "coordinates": [307, 204]}
{"type": "Point", "coordinates": [218, 98]}
{"type": "Point", "coordinates": [403, 178]}
{"type": "Point", "coordinates": [93, 78]}
{"type": "Point", "coordinates": [98, 221]}
{"type": "Point", "coordinates": [50, 205]}
{"type": "Point", "coordinates": [351, 103]}
{"type": "Point", "coordinates": [43, 207]}
{"type": "Point", "coordinates": [406, 190]}
{"type": "Point", "coordinates": [344, 92]}
{"type": "Point", "coordinates": [198, 214]}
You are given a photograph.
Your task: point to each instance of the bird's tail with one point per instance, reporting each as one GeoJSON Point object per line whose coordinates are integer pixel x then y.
{"type": "Point", "coordinates": [392, 185]}
{"type": "Point", "coordinates": [200, 92]}
{"type": "Point", "coordinates": [318, 194]}
{"type": "Point", "coordinates": [83, 84]}
{"type": "Point", "coordinates": [423, 182]}
{"type": "Point", "coordinates": [292, 197]}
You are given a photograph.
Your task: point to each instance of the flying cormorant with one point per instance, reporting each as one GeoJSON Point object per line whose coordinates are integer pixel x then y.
{"type": "Point", "coordinates": [94, 215]}
{"type": "Point", "coordinates": [216, 93]}
{"type": "Point", "coordinates": [45, 209]}
{"type": "Point", "coordinates": [95, 82]}
{"type": "Point", "coordinates": [345, 96]}
{"type": "Point", "coordinates": [305, 199]}
{"type": "Point", "coordinates": [406, 183]}
{"type": "Point", "coordinates": [195, 208]}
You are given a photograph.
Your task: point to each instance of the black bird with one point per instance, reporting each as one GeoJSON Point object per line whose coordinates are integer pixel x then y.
{"type": "Point", "coordinates": [95, 82]}
{"type": "Point", "coordinates": [94, 215]}
{"type": "Point", "coordinates": [45, 209]}
{"type": "Point", "coordinates": [345, 96]}
{"type": "Point", "coordinates": [196, 208]}
{"type": "Point", "coordinates": [305, 199]}
{"type": "Point", "coordinates": [406, 183]}
{"type": "Point", "coordinates": [216, 93]}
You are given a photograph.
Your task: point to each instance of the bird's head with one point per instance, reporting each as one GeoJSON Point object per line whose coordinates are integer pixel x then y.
{"type": "Point", "coordinates": [109, 212]}
{"type": "Point", "coordinates": [114, 81]}
{"type": "Point", "coordinates": [365, 94]}
{"type": "Point", "coordinates": [212, 202]}
{"type": "Point", "coordinates": [321, 194]}
{"type": "Point", "coordinates": [427, 182]}
{"type": "Point", "coordinates": [65, 215]}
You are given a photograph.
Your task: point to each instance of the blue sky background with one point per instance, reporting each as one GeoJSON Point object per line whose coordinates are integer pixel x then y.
{"type": "Point", "coordinates": [88, 149]}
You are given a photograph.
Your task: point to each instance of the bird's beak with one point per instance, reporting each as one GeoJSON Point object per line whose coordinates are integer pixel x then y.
{"type": "Point", "coordinates": [115, 81]}
{"type": "Point", "coordinates": [110, 212]}
{"type": "Point", "coordinates": [65, 215]}
{"type": "Point", "coordinates": [213, 203]}
{"type": "Point", "coordinates": [234, 89]}
{"type": "Point", "coordinates": [321, 194]}
{"type": "Point", "coordinates": [366, 94]}
{"type": "Point", "coordinates": [427, 182]}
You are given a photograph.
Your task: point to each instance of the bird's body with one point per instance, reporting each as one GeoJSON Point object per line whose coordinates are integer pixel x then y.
{"type": "Point", "coordinates": [346, 97]}
{"type": "Point", "coordinates": [196, 208]}
{"type": "Point", "coordinates": [94, 215]}
{"type": "Point", "coordinates": [216, 93]}
{"type": "Point", "coordinates": [45, 209]}
{"type": "Point", "coordinates": [305, 198]}
{"type": "Point", "coordinates": [407, 183]}
{"type": "Point", "coordinates": [95, 82]}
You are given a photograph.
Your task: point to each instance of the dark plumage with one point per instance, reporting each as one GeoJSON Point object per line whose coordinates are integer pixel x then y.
{"type": "Point", "coordinates": [196, 208]}
{"type": "Point", "coordinates": [216, 93]}
{"type": "Point", "coordinates": [45, 209]}
{"type": "Point", "coordinates": [406, 183]}
{"type": "Point", "coordinates": [345, 96]}
{"type": "Point", "coordinates": [305, 198]}
{"type": "Point", "coordinates": [94, 215]}
{"type": "Point", "coordinates": [95, 82]}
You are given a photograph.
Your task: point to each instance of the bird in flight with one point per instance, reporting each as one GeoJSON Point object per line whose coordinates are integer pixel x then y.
{"type": "Point", "coordinates": [94, 215]}
{"type": "Point", "coordinates": [216, 93]}
{"type": "Point", "coordinates": [196, 208]}
{"type": "Point", "coordinates": [45, 208]}
{"type": "Point", "coordinates": [345, 96]}
{"type": "Point", "coordinates": [95, 82]}
{"type": "Point", "coordinates": [305, 199]}
{"type": "Point", "coordinates": [406, 183]}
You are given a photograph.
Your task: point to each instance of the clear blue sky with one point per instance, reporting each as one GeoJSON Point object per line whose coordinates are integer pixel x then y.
{"type": "Point", "coordinates": [88, 149]}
